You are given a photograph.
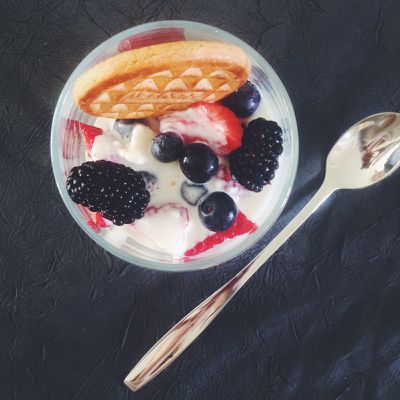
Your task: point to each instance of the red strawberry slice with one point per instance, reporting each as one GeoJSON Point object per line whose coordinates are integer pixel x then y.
{"type": "Point", "coordinates": [241, 226]}
{"type": "Point", "coordinates": [210, 123]}
{"type": "Point", "coordinates": [228, 122]}
{"type": "Point", "coordinates": [97, 222]}
{"type": "Point", "coordinates": [76, 129]}
{"type": "Point", "coordinates": [100, 222]}
{"type": "Point", "coordinates": [155, 36]}
{"type": "Point", "coordinates": [89, 133]}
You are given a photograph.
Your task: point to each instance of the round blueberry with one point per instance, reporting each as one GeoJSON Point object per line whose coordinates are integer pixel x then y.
{"type": "Point", "coordinates": [167, 147]}
{"type": "Point", "coordinates": [217, 211]}
{"type": "Point", "coordinates": [192, 193]}
{"type": "Point", "coordinates": [149, 179]}
{"type": "Point", "coordinates": [124, 126]}
{"type": "Point", "coordinates": [244, 102]}
{"type": "Point", "coordinates": [198, 162]}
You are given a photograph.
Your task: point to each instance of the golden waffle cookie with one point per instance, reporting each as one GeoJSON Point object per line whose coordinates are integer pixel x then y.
{"type": "Point", "coordinates": [160, 79]}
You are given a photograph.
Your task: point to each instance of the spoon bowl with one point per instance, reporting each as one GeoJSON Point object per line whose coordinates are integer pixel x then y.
{"type": "Point", "coordinates": [366, 153]}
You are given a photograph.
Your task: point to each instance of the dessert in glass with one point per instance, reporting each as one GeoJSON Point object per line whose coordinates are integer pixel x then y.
{"type": "Point", "coordinates": [174, 146]}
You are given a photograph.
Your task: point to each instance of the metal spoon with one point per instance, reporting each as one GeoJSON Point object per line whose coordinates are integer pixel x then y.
{"type": "Point", "coordinates": [365, 154]}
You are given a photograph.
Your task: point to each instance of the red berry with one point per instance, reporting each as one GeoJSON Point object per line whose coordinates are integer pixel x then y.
{"type": "Point", "coordinates": [75, 129]}
{"type": "Point", "coordinates": [209, 123]}
{"type": "Point", "coordinates": [229, 123]}
{"type": "Point", "coordinates": [155, 36]}
{"type": "Point", "coordinates": [240, 226]}
{"type": "Point", "coordinates": [97, 222]}
{"type": "Point", "coordinates": [89, 133]}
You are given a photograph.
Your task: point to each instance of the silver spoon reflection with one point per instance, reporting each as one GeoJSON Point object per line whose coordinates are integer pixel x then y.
{"type": "Point", "coordinates": [365, 154]}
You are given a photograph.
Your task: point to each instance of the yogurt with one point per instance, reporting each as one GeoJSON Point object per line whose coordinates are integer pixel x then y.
{"type": "Point", "coordinates": [170, 225]}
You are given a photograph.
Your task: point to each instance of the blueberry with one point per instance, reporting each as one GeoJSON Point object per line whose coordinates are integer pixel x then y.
{"type": "Point", "coordinates": [124, 127]}
{"type": "Point", "coordinates": [149, 179]}
{"type": "Point", "coordinates": [198, 162]}
{"type": "Point", "coordinates": [244, 102]}
{"type": "Point", "coordinates": [217, 211]}
{"type": "Point", "coordinates": [167, 147]}
{"type": "Point", "coordinates": [192, 193]}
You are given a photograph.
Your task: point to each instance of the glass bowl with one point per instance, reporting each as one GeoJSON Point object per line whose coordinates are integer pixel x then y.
{"type": "Point", "coordinates": [68, 150]}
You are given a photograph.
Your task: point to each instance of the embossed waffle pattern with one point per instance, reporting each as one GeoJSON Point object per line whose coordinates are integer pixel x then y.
{"type": "Point", "coordinates": [163, 92]}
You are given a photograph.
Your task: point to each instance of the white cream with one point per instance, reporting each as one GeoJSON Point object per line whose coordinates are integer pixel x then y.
{"type": "Point", "coordinates": [165, 228]}
{"type": "Point", "coordinates": [176, 226]}
{"type": "Point", "coordinates": [136, 150]}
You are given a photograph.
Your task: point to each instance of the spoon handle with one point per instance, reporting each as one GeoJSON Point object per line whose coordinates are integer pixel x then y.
{"type": "Point", "coordinates": [179, 337]}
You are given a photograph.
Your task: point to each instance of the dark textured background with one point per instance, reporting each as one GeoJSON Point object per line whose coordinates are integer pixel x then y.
{"type": "Point", "coordinates": [320, 322]}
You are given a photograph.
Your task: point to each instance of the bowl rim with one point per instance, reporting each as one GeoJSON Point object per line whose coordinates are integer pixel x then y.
{"type": "Point", "coordinates": [195, 265]}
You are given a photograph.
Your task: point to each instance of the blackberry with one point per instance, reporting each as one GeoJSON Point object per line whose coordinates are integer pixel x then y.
{"type": "Point", "coordinates": [117, 192]}
{"type": "Point", "coordinates": [255, 162]}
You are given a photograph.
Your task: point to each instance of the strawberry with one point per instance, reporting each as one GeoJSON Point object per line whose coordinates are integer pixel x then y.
{"type": "Point", "coordinates": [97, 222]}
{"type": "Point", "coordinates": [241, 226]}
{"type": "Point", "coordinates": [155, 36]}
{"type": "Point", "coordinates": [76, 129]}
{"type": "Point", "coordinates": [210, 123]}
{"type": "Point", "coordinates": [89, 133]}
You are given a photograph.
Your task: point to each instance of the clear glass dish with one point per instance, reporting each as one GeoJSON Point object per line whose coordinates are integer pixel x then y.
{"type": "Point", "coordinates": [68, 150]}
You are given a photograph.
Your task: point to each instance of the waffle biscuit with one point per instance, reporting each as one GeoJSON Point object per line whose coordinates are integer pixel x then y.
{"type": "Point", "coordinates": [161, 79]}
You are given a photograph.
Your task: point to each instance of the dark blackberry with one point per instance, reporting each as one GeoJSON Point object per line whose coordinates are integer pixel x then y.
{"type": "Point", "coordinates": [254, 163]}
{"type": "Point", "coordinates": [262, 134]}
{"type": "Point", "coordinates": [117, 192]}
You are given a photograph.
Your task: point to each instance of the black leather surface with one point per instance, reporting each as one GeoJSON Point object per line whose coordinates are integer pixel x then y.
{"type": "Point", "coordinates": [321, 321]}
